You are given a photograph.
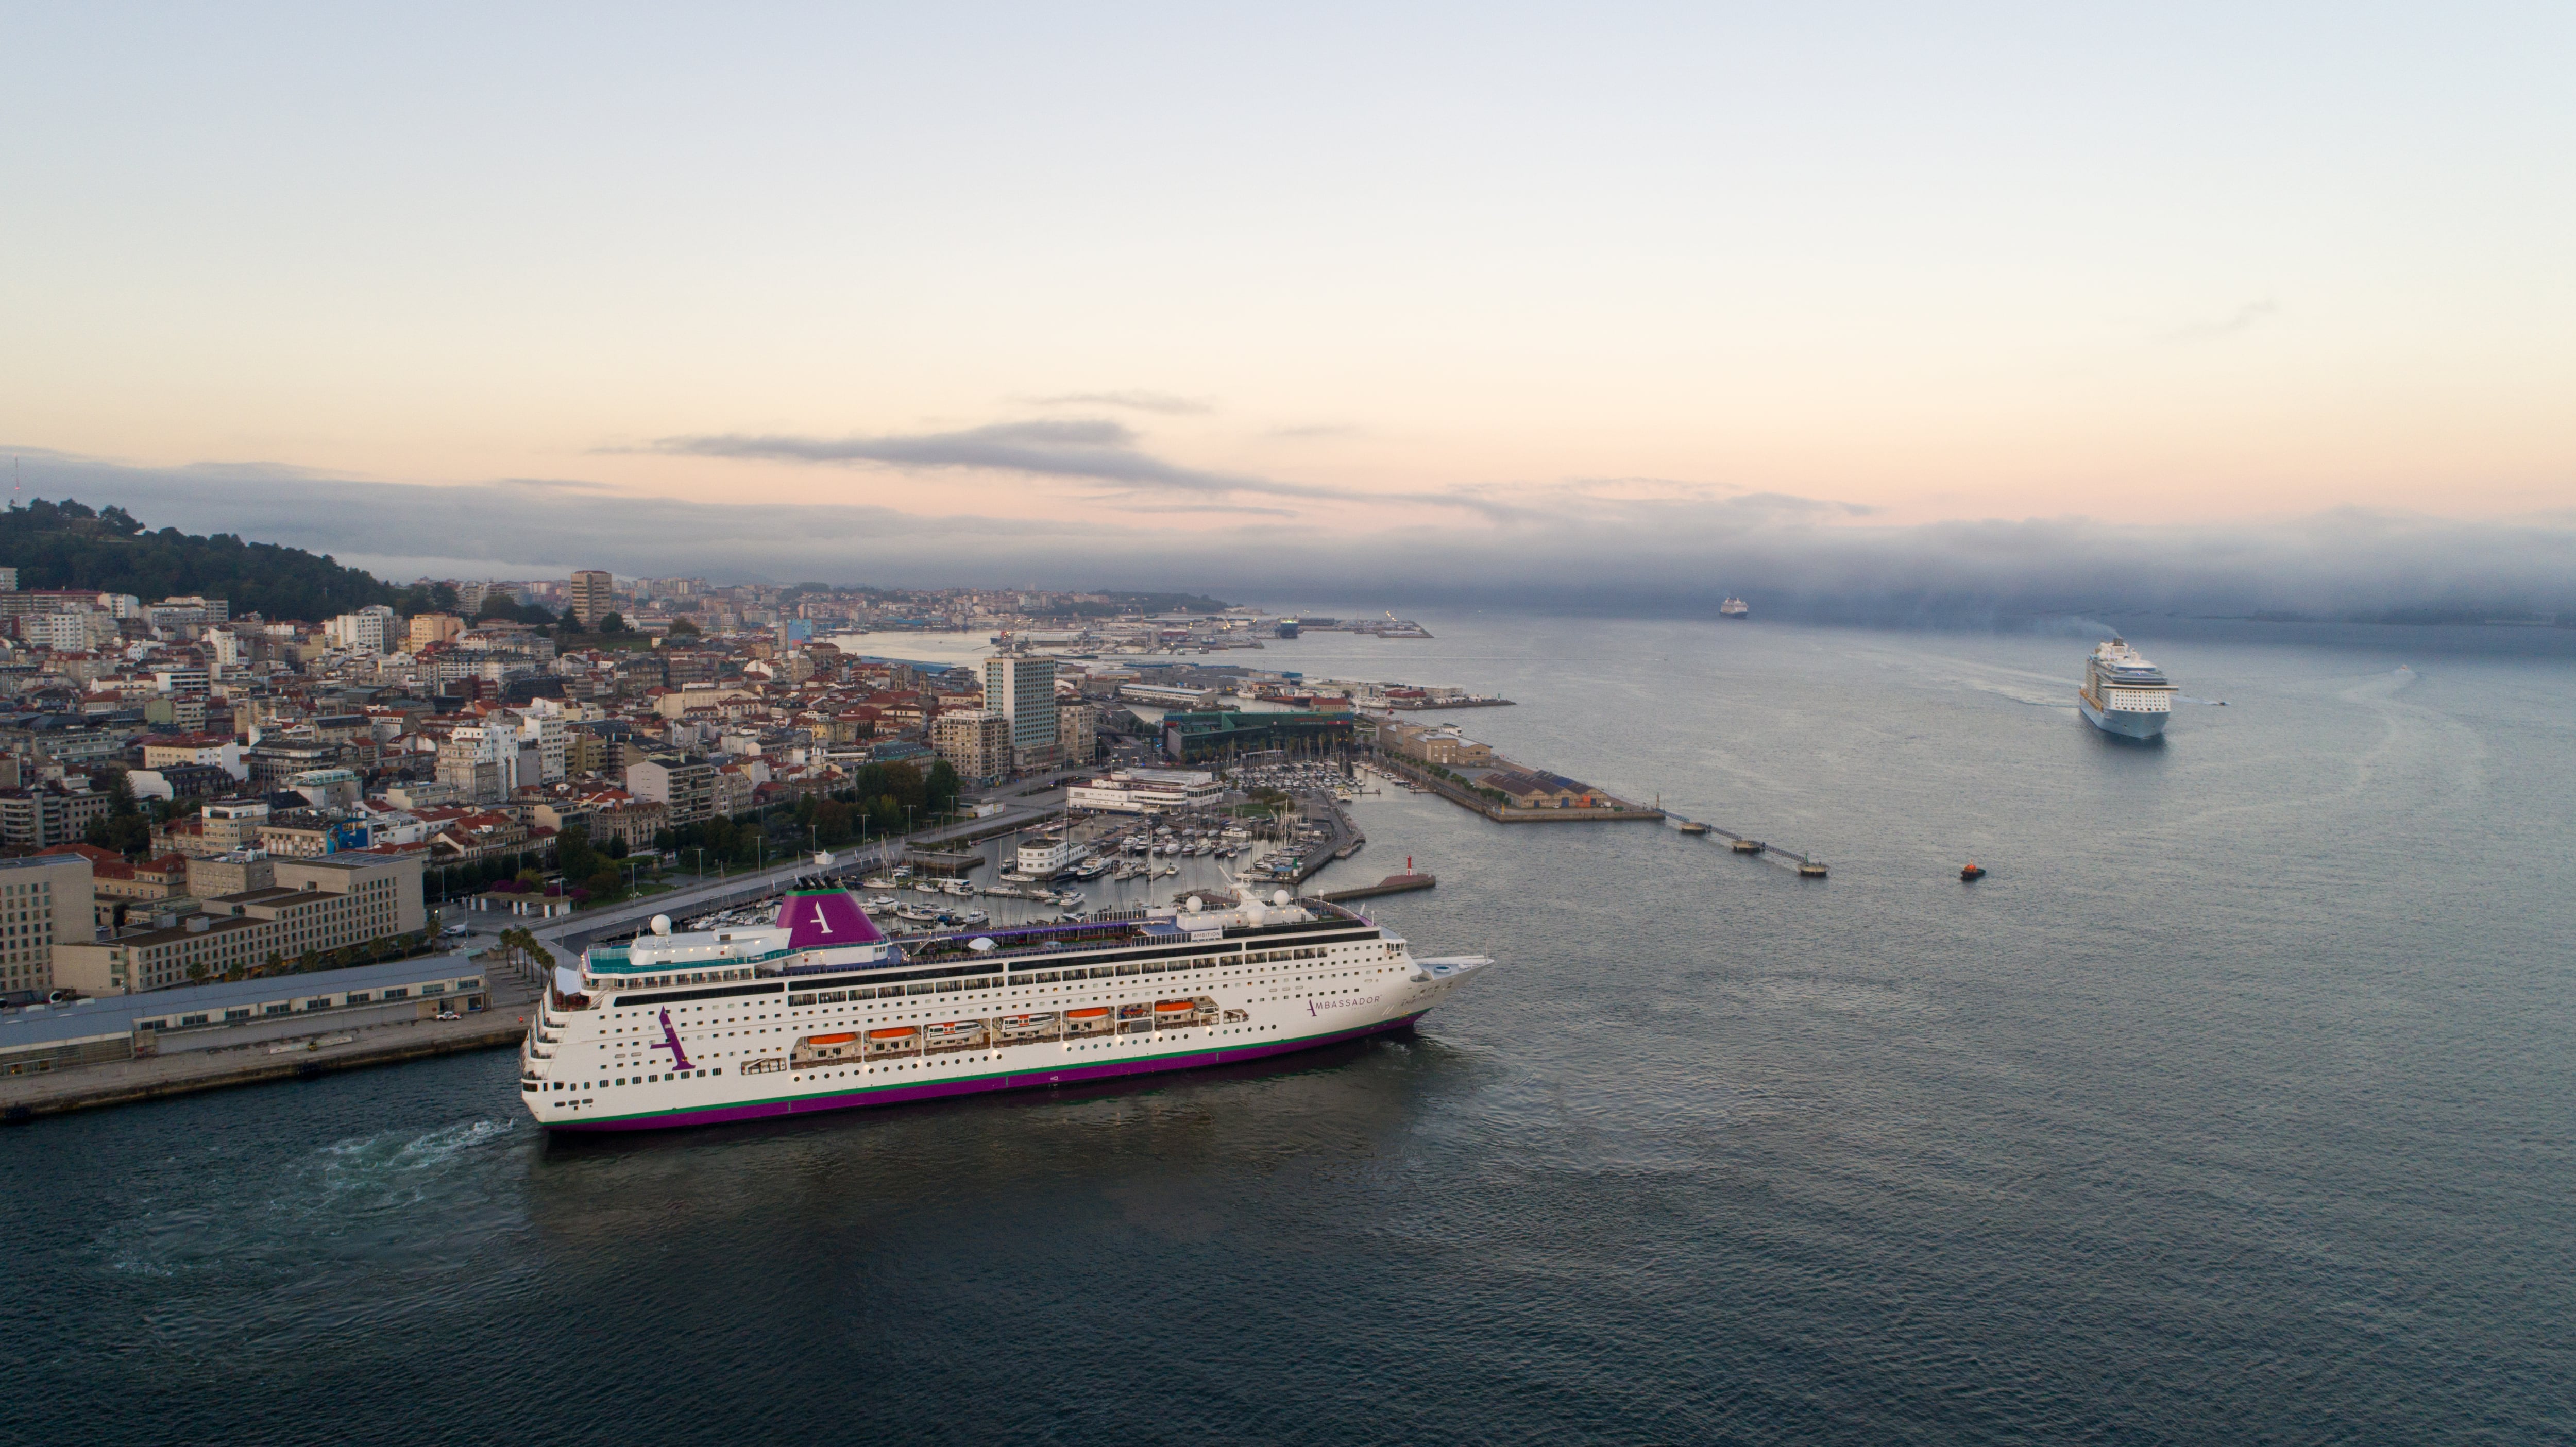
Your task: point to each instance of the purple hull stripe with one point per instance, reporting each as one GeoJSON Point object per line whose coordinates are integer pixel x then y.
{"type": "Point", "coordinates": [975, 1085]}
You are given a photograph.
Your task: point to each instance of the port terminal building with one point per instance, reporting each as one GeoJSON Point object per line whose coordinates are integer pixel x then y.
{"type": "Point", "coordinates": [1143, 791]}
{"type": "Point", "coordinates": [236, 1013]}
{"type": "Point", "coordinates": [1190, 738]}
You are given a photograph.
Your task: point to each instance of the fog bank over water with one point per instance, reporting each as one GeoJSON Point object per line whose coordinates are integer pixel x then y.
{"type": "Point", "coordinates": [1792, 557]}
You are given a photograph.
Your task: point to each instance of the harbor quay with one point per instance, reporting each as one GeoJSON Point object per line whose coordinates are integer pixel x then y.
{"type": "Point", "coordinates": [1443, 761]}
{"type": "Point", "coordinates": [121, 1049]}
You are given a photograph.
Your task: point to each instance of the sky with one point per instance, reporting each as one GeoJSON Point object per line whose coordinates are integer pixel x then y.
{"type": "Point", "coordinates": [1127, 288]}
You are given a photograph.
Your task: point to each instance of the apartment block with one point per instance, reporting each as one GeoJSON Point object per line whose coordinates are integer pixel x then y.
{"type": "Point", "coordinates": [315, 905]}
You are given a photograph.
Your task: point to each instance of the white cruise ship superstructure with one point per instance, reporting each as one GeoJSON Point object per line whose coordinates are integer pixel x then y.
{"type": "Point", "coordinates": [820, 1011]}
{"type": "Point", "coordinates": [2123, 693]}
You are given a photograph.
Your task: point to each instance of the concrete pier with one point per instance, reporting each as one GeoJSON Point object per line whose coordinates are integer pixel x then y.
{"type": "Point", "coordinates": [1392, 884]}
{"type": "Point", "coordinates": [124, 1082]}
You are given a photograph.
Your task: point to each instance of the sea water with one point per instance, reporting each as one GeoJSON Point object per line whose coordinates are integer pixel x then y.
{"type": "Point", "coordinates": [2234, 1104]}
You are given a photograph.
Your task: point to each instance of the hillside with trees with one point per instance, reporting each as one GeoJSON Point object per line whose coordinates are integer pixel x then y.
{"type": "Point", "coordinates": [68, 545]}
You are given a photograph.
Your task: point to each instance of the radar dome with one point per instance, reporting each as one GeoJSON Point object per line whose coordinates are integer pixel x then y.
{"type": "Point", "coordinates": [1195, 904]}
{"type": "Point", "coordinates": [1279, 897]}
{"type": "Point", "coordinates": [661, 924]}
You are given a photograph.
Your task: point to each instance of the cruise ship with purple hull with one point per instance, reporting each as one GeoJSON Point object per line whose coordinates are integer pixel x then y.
{"type": "Point", "coordinates": [819, 1010]}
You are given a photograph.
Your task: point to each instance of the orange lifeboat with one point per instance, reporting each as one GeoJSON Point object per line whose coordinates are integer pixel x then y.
{"type": "Point", "coordinates": [1088, 1012]}
{"type": "Point", "coordinates": [844, 1038]}
{"type": "Point", "coordinates": [900, 1032]}
{"type": "Point", "coordinates": [1175, 1007]}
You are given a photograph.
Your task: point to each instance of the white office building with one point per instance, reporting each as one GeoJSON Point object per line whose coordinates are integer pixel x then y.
{"type": "Point", "coordinates": [1022, 689]}
{"type": "Point", "coordinates": [1140, 791]}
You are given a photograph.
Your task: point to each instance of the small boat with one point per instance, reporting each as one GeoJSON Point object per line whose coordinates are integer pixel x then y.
{"type": "Point", "coordinates": [844, 1038]}
{"type": "Point", "coordinates": [1972, 871]}
{"type": "Point", "coordinates": [879, 881]}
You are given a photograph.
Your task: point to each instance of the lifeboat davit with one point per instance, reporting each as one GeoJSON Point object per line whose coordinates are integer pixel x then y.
{"type": "Point", "coordinates": [1015, 1022]}
{"type": "Point", "coordinates": [900, 1032]}
{"type": "Point", "coordinates": [843, 1038]}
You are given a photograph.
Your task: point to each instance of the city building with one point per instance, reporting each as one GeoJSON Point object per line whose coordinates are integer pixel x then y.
{"type": "Point", "coordinates": [45, 907]}
{"type": "Point", "coordinates": [1139, 791]}
{"type": "Point", "coordinates": [976, 742]}
{"type": "Point", "coordinates": [591, 596]}
{"type": "Point", "coordinates": [38, 815]}
{"type": "Point", "coordinates": [687, 790]}
{"type": "Point", "coordinates": [1022, 689]}
{"type": "Point", "coordinates": [217, 751]}
{"type": "Point", "coordinates": [1077, 731]}
{"type": "Point", "coordinates": [1433, 744]}
{"type": "Point", "coordinates": [1188, 737]}
{"type": "Point", "coordinates": [315, 906]}
{"type": "Point", "coordinates": [368, 630]}
{"type": "Point", "coordinates": [429, 628]}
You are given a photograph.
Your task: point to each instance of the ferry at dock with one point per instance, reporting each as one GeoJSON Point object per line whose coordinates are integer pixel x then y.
{"type": "Point", "coordinates": [2123, 693]}
{"type": "Point", "coordinates": [820, 1010]}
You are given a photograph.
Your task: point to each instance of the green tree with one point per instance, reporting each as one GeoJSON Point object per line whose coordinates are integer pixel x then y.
{"type": "Point", "coordinates": [941, 788]}
{"type": "Point", "coordinates": [680, 627]}
{"type": "Point", "coordinates": [68, 545]}
{"type": "Point", "coordinates": [610, 622]}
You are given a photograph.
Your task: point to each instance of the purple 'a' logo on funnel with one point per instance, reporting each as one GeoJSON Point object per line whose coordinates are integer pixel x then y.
{"type": "Point", "coordinates": [820, 921]}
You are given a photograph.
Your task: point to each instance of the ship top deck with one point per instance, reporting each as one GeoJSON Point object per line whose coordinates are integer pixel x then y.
{"type": "Point", "coordinates": [2121, 664]}
{"type": "Point", "coordinates": [773, 951]}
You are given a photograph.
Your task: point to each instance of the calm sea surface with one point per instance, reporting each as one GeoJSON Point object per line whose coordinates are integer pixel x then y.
{"type": "Point", "coordinates": [2236, 1105]}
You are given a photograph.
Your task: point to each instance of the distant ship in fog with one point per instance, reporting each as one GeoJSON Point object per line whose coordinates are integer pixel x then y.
{"type": "Point", "coordinates": [2123, 693]}
{"type": "Point", "coordinates": [1734, 608]}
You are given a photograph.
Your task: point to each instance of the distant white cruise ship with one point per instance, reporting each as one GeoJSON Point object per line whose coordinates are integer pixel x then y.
{"type": "Point", "coordinates": [2123, 693]}
{"type": "Point", "coordinates": [820, 1011]}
